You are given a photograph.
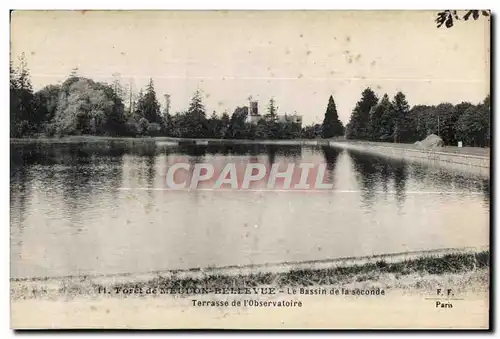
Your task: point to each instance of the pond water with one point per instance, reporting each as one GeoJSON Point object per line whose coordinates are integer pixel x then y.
{"type": "Point", "coordinates": [102, 208]}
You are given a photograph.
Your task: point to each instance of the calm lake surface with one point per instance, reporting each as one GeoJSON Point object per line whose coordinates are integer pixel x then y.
{"type": "Point", "coordinates": [100, 208]}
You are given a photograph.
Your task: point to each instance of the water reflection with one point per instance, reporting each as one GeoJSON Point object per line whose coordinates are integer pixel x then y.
{"type": "Point", "coordinates": [272, 151]}
{"type": "Point", "coordinates": [271, 155]}
{"type": "Point", "coordinates": [367, 171]}
{"type": "Point", "coordinates": [77, 173]}
{"type": "Point", "coordinates": [20, 186]}
{"type": "Point", "coordinates": [380, 174]}
{"type": "Point", "coordinates": [331, 156]}
{"type": "Point", "coordinates": [376, 173]}
{"type": "Point", "coordinates": [70, 213]}
{"type": "Point", "coordinates": [400, 176]}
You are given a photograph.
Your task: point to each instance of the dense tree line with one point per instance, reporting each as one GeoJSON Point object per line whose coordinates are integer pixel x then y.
{"type": "Point", "coordinates": [82, 106]}
{"type": "Point", "coordinates": [78, 106]}
{"type": "Point", "coordinates": [394, 121]}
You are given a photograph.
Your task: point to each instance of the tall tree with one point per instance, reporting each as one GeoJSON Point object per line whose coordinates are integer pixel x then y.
{"type": "Point", "coordinates": [473, 127]}
{"type": "Point", "coordinates": [401, 110]}
{"type": "Point", "coordinates": [22, 100]}
{"type": "Point", "coordinates": [332, 126]}
{"type": "Point", "coordinates": [358, 126]}
{"type": "Point", "coordinates": [118, 88]}
{"type": "Point", "coordinates": [267, 128]}
{"type": "Point", "coordinates": [447, 115]}
{"type": "Point", "coordinates": [46, 101]}
{"type": "Point", "coordinates": [225, 120]}
{"type": "Point", "coordinates": [130, 100]}
{"type": "Point", "coordinates": [114, 123]}
{"type": "Point", "coordinates": [376, 123]}
{"type": "Point", "coordinates": [420, 122]}
{"type": "Point", "coordinates": [237, 126]}
{"type": "Point", "coordinates": [214, 126]}
{"type": "Point", "coordinates": [149, 106]}
{"type": "Point", "coordinates": [196, 105]}
{"type": "Point", "coordinates": [88, 107]}
{"type": "Point", "coordinates": [197, 124]}
{"type": "Point", "coordinates": [272, 110]}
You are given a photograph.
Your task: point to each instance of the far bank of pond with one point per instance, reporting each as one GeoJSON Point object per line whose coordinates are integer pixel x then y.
{"type": "Point", "coordinates": [469, 159]}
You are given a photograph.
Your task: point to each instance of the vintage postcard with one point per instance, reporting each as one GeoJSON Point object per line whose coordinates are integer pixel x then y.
{"type": "Point", "coordinates": [250, 169]}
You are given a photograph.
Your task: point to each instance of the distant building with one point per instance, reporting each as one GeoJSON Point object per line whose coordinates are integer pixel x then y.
{"type": "Point", "coordinates": [254, 108]}
{"type": "Point", "coordinates": [290, 118]}
{"type": "Point", "coordinates": [254, 116]}
{"type": "Point", "coordinates": [253, 112]}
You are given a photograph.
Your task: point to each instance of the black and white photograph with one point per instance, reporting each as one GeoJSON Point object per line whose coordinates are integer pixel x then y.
{"type": "Point", "coordinates": [223, 169]}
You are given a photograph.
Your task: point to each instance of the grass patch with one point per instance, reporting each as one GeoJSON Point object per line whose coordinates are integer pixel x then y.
{"type": "Point", "coordinates": [446, 264]}
{"type": "Point", "coordinates": [427, 267]}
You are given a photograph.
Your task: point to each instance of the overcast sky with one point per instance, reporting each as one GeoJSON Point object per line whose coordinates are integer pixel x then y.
{"type": "Point", "coordinates": [299, 58]}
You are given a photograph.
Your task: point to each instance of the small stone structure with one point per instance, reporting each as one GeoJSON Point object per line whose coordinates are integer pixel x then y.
{"type": "Point", "coordinates": [432, 141]}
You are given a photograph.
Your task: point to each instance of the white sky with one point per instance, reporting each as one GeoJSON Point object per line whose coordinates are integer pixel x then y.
{"type": "Point", "coordinates": [300, 58]}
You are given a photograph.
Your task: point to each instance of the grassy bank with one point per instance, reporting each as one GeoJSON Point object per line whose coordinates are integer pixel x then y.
{"type": "Point", "coordinates": [410, 273]}
{"type": "Point", "coordinates": [439, 265]}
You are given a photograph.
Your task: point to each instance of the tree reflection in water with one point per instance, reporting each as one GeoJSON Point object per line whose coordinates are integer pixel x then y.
{"type": "Point", "coordinates": [374, 175]}
{"type": "Point", "coordinates": [331, 155]}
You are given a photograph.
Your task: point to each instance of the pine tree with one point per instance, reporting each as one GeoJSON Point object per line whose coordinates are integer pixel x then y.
{"type": "Point", "coordinates": [376, 118]}
{"type": "Point", "coordinates": [147, 115]}
{"type": "Point", "coordinates": [130, 100]}
{"type": "Point", "coordinates": [359, 124]}
{"type": "Point", "coordinates": [272, 110]}
{"type": "Point", "coordinates": [196, 106]}
{"type": "Point", "coordinates": [401, 110]}
{"type": "Point", "coordinates": [23, 74]}
{"type": "Point", "coordinates": [387, 123]}
{"type": "Point", "coordinates": [197, 124]}
{"type": "Point", "coordinates": [332, 126]}
{"type": "Point", "coordinates": [118, 88]}
{"type": "Point", "coordinates": [22, 100]}
{"type": "Point", "coordinates": [151, 108]}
